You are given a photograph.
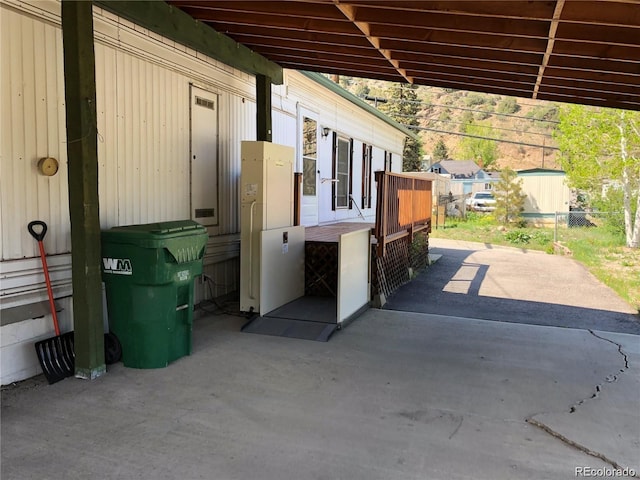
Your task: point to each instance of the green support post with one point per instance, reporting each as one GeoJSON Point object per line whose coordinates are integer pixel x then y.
{"type": "Point", "coordinates": [82, 154]}
{"type": "Point", "coordinates": [263, 108]}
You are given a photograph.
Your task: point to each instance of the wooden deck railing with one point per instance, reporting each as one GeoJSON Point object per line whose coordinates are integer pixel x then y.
{"type": "Point", "coordinates": [403, 207]}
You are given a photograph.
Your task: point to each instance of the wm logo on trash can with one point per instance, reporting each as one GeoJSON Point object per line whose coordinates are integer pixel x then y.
{"type": "Point", "coordinates": [119, 266]}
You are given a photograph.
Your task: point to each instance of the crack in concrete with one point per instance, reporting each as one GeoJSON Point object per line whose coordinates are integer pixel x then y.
{"type": "Point", "coordinates": [576, 445]}
{"type": "Point", "coordinates": [624, 355]}
{"type": "Point", "coordinates": [613, 377]}
{"type": "Point", "coordinates": [457, 428]}
{"type": "Point", "coordinates": [572, 409]}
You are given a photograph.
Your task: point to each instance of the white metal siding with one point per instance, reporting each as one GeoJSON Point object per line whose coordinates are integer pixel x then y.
{"type": "Point", "coordinates": [17, 355]}
{"type": "Point", "coordinates": [221, 278]}
{"type": "Point", "coordinates": [341, 115]}
{"type": "Point", "coordinates": [143, 135]}
{"type": "Point", "coordinates": [33, 126]}
{"type": "Point", "coordinates": [142, 89]}
{"type": "Point", "coordinates": [150, 145]}
{"type": "Point", "coordinates": [236, 123]}
{"type": "Point", "coordinates": [546, 194]}
{"type": "Point", "coordinates": [284, 128]}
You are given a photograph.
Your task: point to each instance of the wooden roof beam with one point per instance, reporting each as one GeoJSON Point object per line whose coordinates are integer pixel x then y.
{"type": "Point", "coordinates": [557, 12]}
{"type": "Point", "coordinates": [349, 11]}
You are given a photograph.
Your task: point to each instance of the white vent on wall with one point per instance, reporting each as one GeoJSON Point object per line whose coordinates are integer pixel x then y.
{"type": "Point", "coordinates": [206, 103]}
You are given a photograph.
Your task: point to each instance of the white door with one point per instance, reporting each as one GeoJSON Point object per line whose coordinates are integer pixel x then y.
{"type": "Point", "coordinates": [308, 146]}
{"type": "Point", "coordinates": [204, 157]}
{"type": "Point", "coordinates": [281, 267]}
{"type": "Point", "coordinates": [354, 249]}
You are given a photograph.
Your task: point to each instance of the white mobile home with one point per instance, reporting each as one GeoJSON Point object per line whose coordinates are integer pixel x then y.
{"type": "Point", "coordinates": [547, 193]}
{"type": "Point", "coordinates": [170, 122]}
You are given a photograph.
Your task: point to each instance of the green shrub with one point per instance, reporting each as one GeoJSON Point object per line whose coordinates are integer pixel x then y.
{"type": "Point", "coordinates": [518, 237]}
{"type": "Point", "coordinates": [509, 105]}
{"type": "Point", "coordinates": [474, 99]}
{"type": "Point", "coordinates": [541, 237]}
{"type": "Point", "coordinates": [544, 112]}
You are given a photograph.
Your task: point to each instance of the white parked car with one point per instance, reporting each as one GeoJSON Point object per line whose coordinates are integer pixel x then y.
{"type": "Point", "coordinates": [481, 202]}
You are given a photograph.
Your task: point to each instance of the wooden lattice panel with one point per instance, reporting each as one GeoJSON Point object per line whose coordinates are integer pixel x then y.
{"type": "Point", "coordinates": [392, 271]}
{"type": "Point", "coordinates": [321, 269]}
{"type": "Point", "coordinates": [393, 268]}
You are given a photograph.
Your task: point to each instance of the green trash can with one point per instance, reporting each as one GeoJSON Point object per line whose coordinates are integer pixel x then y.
{"type": "Point", "coordinates": [148, 271]}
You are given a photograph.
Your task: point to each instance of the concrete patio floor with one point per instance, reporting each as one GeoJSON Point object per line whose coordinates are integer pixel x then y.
{"type": "Point", "coordinates": [395, 395]}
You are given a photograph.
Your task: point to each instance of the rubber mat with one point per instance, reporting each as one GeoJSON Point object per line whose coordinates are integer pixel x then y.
{"type": "Point", "coordinates": [310, 308]}
{"type": "Point", "coordinates": [291, 328]}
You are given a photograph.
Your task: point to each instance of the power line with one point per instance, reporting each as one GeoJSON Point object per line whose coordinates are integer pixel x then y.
{"type": "Point", "coordinates": [481, 137]}
{"type": "Point", "coordinates": [418, 102]}
{"type": "Point", "coordinates": [475, 124]}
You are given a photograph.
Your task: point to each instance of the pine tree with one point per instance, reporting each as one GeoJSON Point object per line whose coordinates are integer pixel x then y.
{"type": "Point", "coordinates": [509, 198]}
{"type": "Point", "coordinates": [403, 106]}
{"type": "Point", "coordinates": [440, 151]}
{"type": "Point", "coordinates": [412, 155]}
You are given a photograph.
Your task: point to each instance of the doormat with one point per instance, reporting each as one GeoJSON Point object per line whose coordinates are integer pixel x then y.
{"type": "Point", "coordinates": [287, 327]}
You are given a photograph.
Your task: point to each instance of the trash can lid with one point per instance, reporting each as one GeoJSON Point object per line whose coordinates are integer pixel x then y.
{"type": "Point", "coordinates": [153, 231]}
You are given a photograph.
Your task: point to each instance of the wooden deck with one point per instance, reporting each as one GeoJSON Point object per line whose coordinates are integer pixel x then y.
{"type": "Point", "coordinates": [331, 233]}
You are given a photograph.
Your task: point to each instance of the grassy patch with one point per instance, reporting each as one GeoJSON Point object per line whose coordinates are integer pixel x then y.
{"type": "Point", "coordinates": [605, 255]}
{"type": "Point", "coordinates": [483, 228]}
{"type": "Point", "coordinates": [601, 250]}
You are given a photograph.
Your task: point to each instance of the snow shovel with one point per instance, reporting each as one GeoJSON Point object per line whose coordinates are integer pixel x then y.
{"type": "Point", "coordinates": [56, 354]}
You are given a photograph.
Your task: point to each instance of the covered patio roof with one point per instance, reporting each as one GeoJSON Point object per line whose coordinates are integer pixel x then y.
{"type": "Point", "coordinates": [577, 51]}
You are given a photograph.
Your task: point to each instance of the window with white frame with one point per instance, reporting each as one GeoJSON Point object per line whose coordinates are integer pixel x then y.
{"type": "Point", "coordinates": [342, 163]}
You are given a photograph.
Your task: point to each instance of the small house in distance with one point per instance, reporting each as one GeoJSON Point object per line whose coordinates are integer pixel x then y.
{"type": "Point", "coordinates": [547, 193]}
{"type": "Point", "coordinates": [466, 176]}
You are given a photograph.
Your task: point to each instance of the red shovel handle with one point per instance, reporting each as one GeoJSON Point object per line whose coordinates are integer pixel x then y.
{"type": "Point", "coordinates": [40, 237]}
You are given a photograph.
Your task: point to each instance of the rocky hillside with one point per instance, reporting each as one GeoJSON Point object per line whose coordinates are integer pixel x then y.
{"type": "Point", "coordinates": [523, 126]}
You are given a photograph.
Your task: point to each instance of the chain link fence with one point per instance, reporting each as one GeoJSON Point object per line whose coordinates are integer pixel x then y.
{"type": "Point", "coordinates": [568, 224]}
{"type": "Point", "coordinates": [454, 205]}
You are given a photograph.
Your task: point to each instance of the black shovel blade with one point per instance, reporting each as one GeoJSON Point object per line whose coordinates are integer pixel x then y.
{"type": "Point", "coordinates": [56, 356]}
